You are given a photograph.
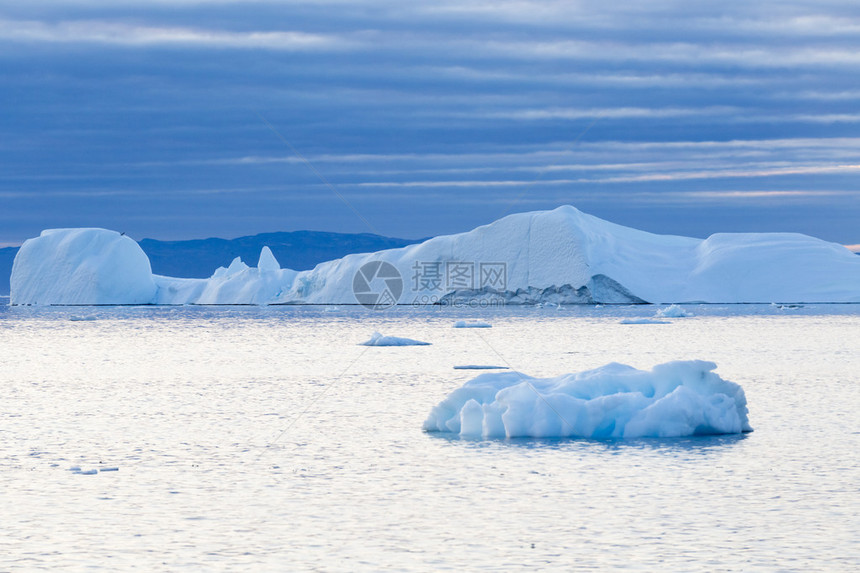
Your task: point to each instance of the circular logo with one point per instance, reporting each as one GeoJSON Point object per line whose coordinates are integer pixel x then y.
{"type": "Point", "coordinates": [377, 285]}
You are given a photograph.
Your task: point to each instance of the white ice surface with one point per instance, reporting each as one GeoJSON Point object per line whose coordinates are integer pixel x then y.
{"type": "Point", "coordinates": [378, 339]}
{"type": "Point", "coordinates": [614, 401]}
{"type": "Point", "coordinates": [558, 256]}
{"type": "Point", "coordinates": [236, 284]}
{"type": "Point", "coordinates": [81, 266]}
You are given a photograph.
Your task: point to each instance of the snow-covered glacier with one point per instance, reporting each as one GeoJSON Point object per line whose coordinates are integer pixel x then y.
{"type": "Point", "coordinates": [675, 399]}
{"type": "Point", "coordinates": [559, 256]}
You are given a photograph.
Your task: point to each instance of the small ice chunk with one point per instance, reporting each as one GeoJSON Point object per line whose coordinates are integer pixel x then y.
{"type": "Point", "coordinates": [472, 324]}
{"type": "Point", "coordinates": [672, 311]}
{"type": "Point", "coordinates": [110, 469]}
{"type": "Point", "coordinates": [378, 339]}
{"type": "Point", "coordinates": [88, 472]}
{"type": "Point", "coordinates": [643, 321]}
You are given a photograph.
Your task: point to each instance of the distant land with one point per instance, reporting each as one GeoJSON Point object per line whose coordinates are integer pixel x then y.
{"type": "Point", "coordinates": [7, 255]}
{"type": "Point", "coordinates": [297, 250]}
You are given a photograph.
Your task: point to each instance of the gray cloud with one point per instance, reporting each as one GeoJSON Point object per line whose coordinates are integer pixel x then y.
{"type": "Point", "coordinates": [118, 33]}
{"type": "Point", "coordinates": [430, 116]}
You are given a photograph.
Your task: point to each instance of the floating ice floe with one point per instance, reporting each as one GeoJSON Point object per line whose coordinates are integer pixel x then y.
{"type": "Point", "coordinates": [472, 324]}
{"type": "Point", "coordinates": [672, 311]}
{"type": "Point", "coordinates": [93, 471]}
{"type": "Point", "coordinates": [378, 339]}
{"type": "Point", "coordinates": [684, 398]}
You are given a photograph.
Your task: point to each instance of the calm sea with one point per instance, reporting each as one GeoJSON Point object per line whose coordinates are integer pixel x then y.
{"type": "Point", "coordinates": [249, 438]}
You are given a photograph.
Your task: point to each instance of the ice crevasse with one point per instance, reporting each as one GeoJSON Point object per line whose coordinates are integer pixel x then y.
{"type": "Point", "coordinates": [675, 399]}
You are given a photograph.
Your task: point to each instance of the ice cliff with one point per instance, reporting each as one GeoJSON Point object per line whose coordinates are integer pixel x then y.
{"type": "Point", "coordinates": [559, 256]}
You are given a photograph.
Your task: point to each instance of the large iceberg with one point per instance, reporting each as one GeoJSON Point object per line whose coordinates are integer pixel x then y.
{"type": "Point", "coordinates": [558, 256]}
{"type": "Point", "coordinates": [82, 266]}
{"type": "Point", "coordinates": [615, 401]}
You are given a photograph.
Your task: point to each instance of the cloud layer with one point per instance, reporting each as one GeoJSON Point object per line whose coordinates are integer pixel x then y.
{"type": "Point", "coordinates": [187, 118]}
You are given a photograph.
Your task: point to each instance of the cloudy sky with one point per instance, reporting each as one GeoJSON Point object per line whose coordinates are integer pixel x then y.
{"type": "Point", "coordinates": [181, 119]}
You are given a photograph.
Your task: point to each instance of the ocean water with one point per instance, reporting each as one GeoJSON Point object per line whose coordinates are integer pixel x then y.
{"type": "Point", "coordinates": [250, 438]}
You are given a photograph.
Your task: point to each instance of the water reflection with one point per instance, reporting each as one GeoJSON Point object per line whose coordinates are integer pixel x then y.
{"type": "Point", "coordinates": [610, 445]}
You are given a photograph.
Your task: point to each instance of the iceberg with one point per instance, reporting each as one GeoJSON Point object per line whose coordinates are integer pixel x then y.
{"type": "Point", "coordinates": [235, 284]}
{"type": "Point", "coordinates": [563, 256]}
{"type": "Point", "coordinates": [683, 398]}
{"type": "Point", "coordinates": [472, 324]}
{"type": "Point", "coordinates": [672, 311]}
{"type": "Point", "coordinates": [378, 339]}
{"type": "Point", "coordinates": [82, 267]}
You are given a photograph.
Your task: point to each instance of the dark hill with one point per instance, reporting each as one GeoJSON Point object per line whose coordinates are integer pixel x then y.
{"type": "Point", "coordinates": [298, 250]}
